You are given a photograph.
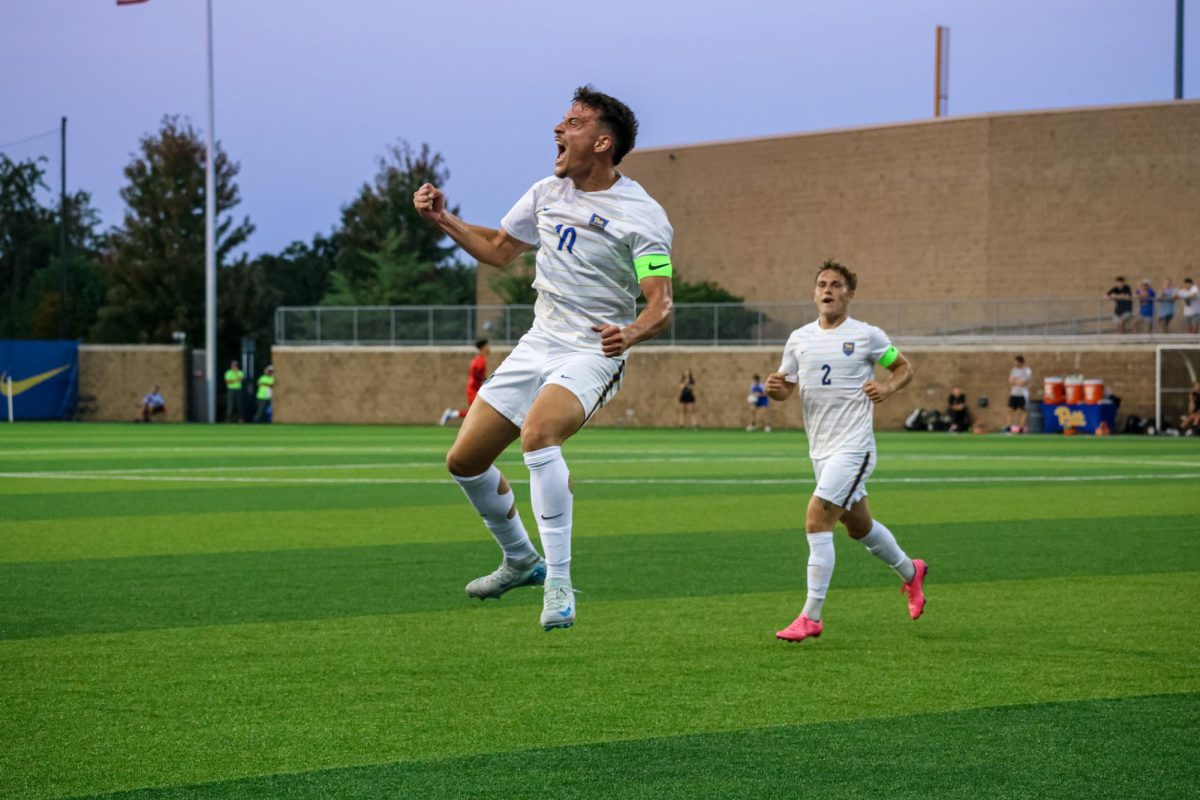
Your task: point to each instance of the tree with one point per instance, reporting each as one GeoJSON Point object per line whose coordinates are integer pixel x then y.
{"type": "Point", "coordinates": [300, 274]}
{"type": "Point", "coordinates": [702, 292]}
{"type": "Point", "coordinates": [387, 254]}
{"type": "Point", "coordinates": [514, 283]}
{"type": "Point", "coordinates": [31, 263]}
{"type": "Point", "coordinates": [154, 263]}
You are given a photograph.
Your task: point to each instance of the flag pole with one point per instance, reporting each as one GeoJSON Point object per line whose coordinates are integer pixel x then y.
{"type": "Point", "coordinates": [210, 259]}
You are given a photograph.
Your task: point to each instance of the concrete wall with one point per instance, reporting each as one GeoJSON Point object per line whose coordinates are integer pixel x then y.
{"type": "Point", "coordinates": [113, 379]}
{"type": "Point", "coordinates": [1045, 204]}
{"type": "Point", "coordinates": [414, 385]}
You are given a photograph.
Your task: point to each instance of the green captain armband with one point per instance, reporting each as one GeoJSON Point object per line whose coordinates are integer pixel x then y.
{"type": "Point", "coordinates": [655, 265]}
{"type": "Point", "coordinates": [889, 356]}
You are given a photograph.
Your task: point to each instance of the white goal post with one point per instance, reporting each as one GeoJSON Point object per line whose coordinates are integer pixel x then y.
{"type": "Point", "coordinates": [1176, 368]}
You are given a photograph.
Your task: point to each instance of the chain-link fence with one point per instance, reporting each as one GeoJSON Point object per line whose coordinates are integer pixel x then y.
{"type": "Point", "coordinates": [695, 323]}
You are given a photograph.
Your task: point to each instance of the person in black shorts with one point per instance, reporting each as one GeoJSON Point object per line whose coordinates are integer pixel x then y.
{"type": "Point", "coordinates": [956, 410]}
{"type": "Point", "coordinates": [687, 400]}
{"type": "Point", "coordinates": [1019, 379]}
{"type": "Point", "coordinates": [1122, 297]}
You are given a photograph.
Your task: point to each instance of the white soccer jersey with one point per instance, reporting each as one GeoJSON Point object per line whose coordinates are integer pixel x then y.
{"type": "Point", "coordinates": [587, 243]}
{"type": "Point", "coordinates": [1020, 391]}
{"type": "Point", "coordinates": [831, 367]}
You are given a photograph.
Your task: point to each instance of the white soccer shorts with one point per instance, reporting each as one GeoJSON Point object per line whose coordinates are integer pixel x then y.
{"type": "Point", "coordinates": [539, 360]}
{"type": "Point", "coordinates": [842, 477]}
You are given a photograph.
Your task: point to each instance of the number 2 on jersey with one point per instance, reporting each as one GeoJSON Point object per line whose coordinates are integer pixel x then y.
{"type": "Point", "coordinates": [825, 378]}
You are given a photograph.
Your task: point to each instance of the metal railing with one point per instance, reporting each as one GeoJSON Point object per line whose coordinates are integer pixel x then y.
{"type": "Point", "coordinates": [700, 324]}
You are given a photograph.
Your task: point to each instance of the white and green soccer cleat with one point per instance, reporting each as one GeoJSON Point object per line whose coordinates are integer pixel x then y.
{"type": "Point", "coordinates": [529, 571]}
{"type": "Point", "coordinates": [558, 606]}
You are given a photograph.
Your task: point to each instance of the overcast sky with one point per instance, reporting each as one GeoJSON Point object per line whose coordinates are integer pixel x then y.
{"type": "Point", "coordinates": [309, 94]}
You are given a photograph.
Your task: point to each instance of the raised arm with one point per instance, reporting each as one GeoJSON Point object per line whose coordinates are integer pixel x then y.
{"type": "Point", "coordinates": [488, 245]}
{"type": "Point", "coordinates": [650, 323]}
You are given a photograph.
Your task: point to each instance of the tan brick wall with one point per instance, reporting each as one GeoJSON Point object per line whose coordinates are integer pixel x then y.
{"type": "Point", "coordinates": [1046, 204]}
{"type": "Point", "coordinates": [413, 385]}
{"type": "Point", "coordinates": [119, 376]}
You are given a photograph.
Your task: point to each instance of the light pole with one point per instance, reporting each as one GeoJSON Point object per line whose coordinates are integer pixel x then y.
{"type": "Point", "coordinates": [210, 255]}
{"type": "Point", "coordinates": [1178, 49]}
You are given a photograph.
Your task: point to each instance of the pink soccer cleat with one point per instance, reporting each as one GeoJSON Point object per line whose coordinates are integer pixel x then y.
{"type": "Point", "coordinates": [800, 630]}
{"type": "Point", "coordinates": [915, 589]}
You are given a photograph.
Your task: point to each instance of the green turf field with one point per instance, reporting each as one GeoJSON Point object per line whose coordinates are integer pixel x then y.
{"type": "Point", "coordinates": [271, 612]}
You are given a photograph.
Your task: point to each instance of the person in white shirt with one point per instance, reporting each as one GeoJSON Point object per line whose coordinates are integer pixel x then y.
{"type": "Point", "coordinates": [832, 362]}
{"type": "Point", "coordinates": [601, 241]}
{"type": "Point", "coordinates": [1190, 295]}
{"type": "Point", "coordinates": [1018, 395]}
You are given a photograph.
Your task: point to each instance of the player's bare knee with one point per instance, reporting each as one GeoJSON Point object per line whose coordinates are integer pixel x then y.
{"type": "Point", "coordinates": [537, 437]}
{"type": "Point", "coordinates": [461, 466]}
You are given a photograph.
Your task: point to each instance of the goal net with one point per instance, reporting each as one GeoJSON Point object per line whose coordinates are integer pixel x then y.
{"type": "Point", "coordinates": [1177, 368]}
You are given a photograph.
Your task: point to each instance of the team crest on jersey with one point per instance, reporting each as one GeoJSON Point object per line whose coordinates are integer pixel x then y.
{"type": "Point", "coordinates": [848, 348]}
{"type": "Point", "coordinates": [598, 221]}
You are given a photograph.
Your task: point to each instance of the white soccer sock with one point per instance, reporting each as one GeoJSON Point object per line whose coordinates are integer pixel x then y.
{"type": "Point", "coordinates": [550, 492]}
{"type": "Point", "coordinates": [821, 558]}
{"type": "Point", "coordinates": [499, 512]}
{"type": "Point", "coordinates": [882, 544]}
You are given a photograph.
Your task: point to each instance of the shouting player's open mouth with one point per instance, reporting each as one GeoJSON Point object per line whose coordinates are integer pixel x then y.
{"type": "Point", "coordinates": [562, 151]}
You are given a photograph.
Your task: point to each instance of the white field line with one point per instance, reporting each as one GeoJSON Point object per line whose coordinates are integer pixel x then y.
{"type": "Point", "coordinates": [87, 476]}
{"type": "Point", "coordinates": [799, 460]}
{"type": "Point", "coordinates": [396, 465]}
{"type": "Point", "coordinates": [251, 450]}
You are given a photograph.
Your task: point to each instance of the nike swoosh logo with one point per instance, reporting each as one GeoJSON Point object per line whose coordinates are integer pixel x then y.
{"type": "Point", "coordinates": [26, 384]}
{"type": "Point", "coordinates": [568, 377]}
{"type": "Point", "coordinates": [658, 266]}
{"type": "Point", "coordinates": [556, 516]}
{"type": "Point", "coordinates": [565, 614]}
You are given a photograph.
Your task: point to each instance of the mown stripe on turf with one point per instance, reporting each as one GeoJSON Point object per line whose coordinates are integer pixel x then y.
{"type": "Point", "coordinates": [1136, 747]}
{"type": "Point", "coordinates": [103, 713]}
{"type": "Point", "coordinates": [200, 523]}
{"type": "Point", "coordinates": [973, 499]}
{"type": "Point", "coordinates": [105, 595]}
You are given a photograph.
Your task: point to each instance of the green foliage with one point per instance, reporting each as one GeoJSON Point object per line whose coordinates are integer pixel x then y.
{"type": "Point", "coordinates": [702, 292]}
{"type": "Point", "coordinates": [385, 253]}
{"type": "Point", "coordinates": [300, 275]}
{"type": "Point", "coordinates": [154, 263]}
{"type": "Point", "coordinates": [31, 264]}
{"type": "Point", "coordinates": [514, 283]}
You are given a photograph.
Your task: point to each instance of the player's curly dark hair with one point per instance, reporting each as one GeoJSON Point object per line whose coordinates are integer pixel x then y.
{"type": "Point", "coordinates": [842, 269]}
{"type": "Point", "coordinates": [614, 115]}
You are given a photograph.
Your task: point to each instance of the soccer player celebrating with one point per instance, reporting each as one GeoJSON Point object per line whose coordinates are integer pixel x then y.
{"type": "Point", "coordinates": [832, 361]}
{"type": "Point", "coordinates": [601, 240]}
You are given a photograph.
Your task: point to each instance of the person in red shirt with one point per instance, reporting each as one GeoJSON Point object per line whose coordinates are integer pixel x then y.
{"type": "Point", "coordinates": [476, 375]}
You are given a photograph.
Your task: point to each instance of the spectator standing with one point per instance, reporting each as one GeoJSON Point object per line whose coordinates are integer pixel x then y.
{"type": "Point", "coordinates": [266, 390]}
{"type": "Point", "coordinates": [233, 392]}
{"type": "Point", "coordinates": [1018, 395]}
{"type": "Point", "coordinates": [759, 405]}
{"type": "Point", "coordinates": [687, 399]}
{"type": "Point", "coordinates": [1190, 295]}
{"type": "Point", "coordinates": [1166, 305]}
{"type": "Point", "coordinates": [956, 410]}
{"type": "Point", "coordinates": [1145, 295]}
{"type": "Point", "coordinates": [1122, 297]}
